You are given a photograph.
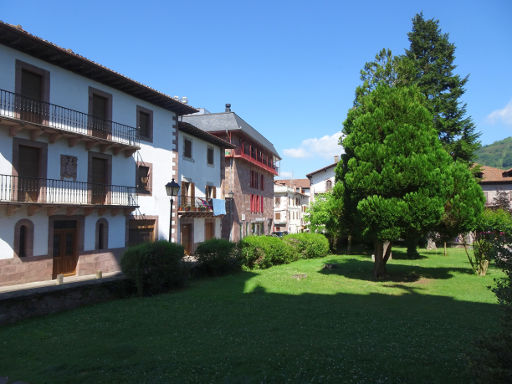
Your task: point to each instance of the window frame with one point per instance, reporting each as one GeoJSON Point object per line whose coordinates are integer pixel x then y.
{"type": "Point", "coordinates": [104, 238]}
{"type": "Point", "coordinates": [29, 238]}
{"type": "Point", "coordinates": [149, 191]}
{"type": "Point", "coordinates": [208, 149]}
{"type": "Point", "coordinates": [149, 112]}
{"type": "Point", "coordinates": [185, 140]}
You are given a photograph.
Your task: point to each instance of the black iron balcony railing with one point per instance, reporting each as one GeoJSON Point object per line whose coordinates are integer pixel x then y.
{"type": "Point", "coordinates": [194, 204]}
{"type": "Point", "coordinates": [15, 106]}
{"type": "Point", "coordinates": [51, 191]}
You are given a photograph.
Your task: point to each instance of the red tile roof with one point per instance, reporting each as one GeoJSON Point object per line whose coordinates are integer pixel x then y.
{"type": "Point", "coordinates": [495, 175]}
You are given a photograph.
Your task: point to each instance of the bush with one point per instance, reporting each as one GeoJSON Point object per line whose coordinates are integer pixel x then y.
{"type": "Point", "coordinates": [217, 257]}
{"type": "Point", "coordinates": [265, 251]}
{"type": "Point", "coordinates": [308, 245]}
{"type": "Point", "coordinates": [154, 267]}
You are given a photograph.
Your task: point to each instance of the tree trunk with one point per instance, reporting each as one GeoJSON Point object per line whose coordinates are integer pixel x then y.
{"type": "Point", "coordinates": [382, 252]}
{"type": "Point", "coordinates": [349, 244]}
{"type": "Point", "coordinates": [445, 248]}
{"type": "Point", "coordinates": [412, 245]}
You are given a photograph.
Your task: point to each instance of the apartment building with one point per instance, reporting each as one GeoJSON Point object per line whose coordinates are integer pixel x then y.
{"type": "Point", "coordinates": [323, 179]}
{"type": "Point", "coordinates": [85, 156]}
{"type": "Point", "coordinates": [201, 205]}
{"type": "Point", "coordinates": [291, 200]}
{"type": "Point", "coordinates": [250, 168]}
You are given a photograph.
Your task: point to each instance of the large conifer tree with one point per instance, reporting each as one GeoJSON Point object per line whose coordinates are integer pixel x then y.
{"type": "Point", "coordinates": [432, 56]}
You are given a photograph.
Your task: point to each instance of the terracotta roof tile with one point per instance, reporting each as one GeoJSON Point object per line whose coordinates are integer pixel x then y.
{"type": "Point", "coordinates": [495, 175]}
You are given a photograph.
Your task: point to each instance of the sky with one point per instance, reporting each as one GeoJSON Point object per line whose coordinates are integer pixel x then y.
{"type": "Point", "coordinates": [289, 68]}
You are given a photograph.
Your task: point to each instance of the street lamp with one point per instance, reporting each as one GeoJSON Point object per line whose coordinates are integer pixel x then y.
{"type": "Point", "coordinates": [172, 188]}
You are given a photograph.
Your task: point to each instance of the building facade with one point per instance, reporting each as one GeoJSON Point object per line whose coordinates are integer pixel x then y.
{"type": "Point", "coordinates": [291, 200]}
{"type": "Point", "coordinates": [494, 181]}
{"type": "Point", "coordinates": [322, 180]}
{"type": "Point", "coordinates": [250, 168]}
{"type": "Point", "coordinates": [201, 178]}
{"type": "Point", "coordinates": [85, 156]}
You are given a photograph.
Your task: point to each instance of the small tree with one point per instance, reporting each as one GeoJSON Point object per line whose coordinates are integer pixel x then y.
{"type": "Point", "coordinates": [396, 171]}
{"type": "Point", "coordinates": [502, 201]}
{"type": "Point", "coordinates": [324, 217]}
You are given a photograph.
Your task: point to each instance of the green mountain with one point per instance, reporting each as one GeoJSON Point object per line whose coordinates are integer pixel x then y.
{"type": "Point", "coordinates": [497, 154]}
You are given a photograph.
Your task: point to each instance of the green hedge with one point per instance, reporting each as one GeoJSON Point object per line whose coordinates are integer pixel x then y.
{"type": "Point", "coordinates": [265, 251]}
{"type": "Point", "coordinates": [154, 267]}
{"type": "Point", "coordinates": [217, 257]}
{"type": "Point", "coordinates": [308, 245]}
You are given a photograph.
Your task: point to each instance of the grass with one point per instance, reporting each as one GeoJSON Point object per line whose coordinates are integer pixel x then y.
{"type": "Point", "coordinates": [267, 326]}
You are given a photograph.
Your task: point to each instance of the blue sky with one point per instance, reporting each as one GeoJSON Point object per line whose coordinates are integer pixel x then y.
{"type": "Point", "coordinates": [289, 68]}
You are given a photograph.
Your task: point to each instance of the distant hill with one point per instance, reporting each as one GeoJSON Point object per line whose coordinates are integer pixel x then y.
{"type": "Point", "coordinates": [497, 154]}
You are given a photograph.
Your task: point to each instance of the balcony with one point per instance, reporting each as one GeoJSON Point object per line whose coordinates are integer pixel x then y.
{"type": "Point", "coordinates": [20, 113]}
{"type": "Point", "coordinates": [195, 206]}
{"type": "Point", "coordinates": [52, 194]}
{"type": "Point", "coordinates": [260, 162]}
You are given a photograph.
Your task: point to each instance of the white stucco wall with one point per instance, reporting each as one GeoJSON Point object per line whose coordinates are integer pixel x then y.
{"type": "Point", "coordinates": [70, 90]}
{"type": "Point", "coordinates": [491, 191]}
{"type": "Point", "coordinates": [318, 181]}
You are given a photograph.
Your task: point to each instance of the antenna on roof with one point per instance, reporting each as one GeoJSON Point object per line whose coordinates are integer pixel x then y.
{"type": "Point", "coordinates": [228, 107]}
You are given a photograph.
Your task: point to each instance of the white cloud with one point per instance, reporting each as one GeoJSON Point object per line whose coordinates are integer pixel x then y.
{"type": "Point", "coordinates": [502, 115]}
{"type": "Point", "coordinates": [325, 147]}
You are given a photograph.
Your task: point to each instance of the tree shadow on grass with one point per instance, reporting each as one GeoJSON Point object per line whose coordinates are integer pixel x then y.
{"type": "Point", "coordinates": [398, 273]}
{"type": "Point", "coordinates": [220, 331]}
{"type": "Point", "coordinates": [399, 254]}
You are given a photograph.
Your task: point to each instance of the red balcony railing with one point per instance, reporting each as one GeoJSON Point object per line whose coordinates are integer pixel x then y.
{"type": "Point", "coordinates": [255, 159]}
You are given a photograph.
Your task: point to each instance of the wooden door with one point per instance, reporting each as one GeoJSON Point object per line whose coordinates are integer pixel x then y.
{"type": "Point", "coordinates": [30, 105]}
{"type": "Point", "coordinates": [65, 249]}
{"type": "Point", "coordinates": [29, 159]}
{"type": "Point", "coordinates": [99, 179]}
{"type": "Point", "coordinates": [209, 230]}
{"type": "Point", "coordinates": [186, 237]}
{"type": "Point", "coordinates": [100, 125]}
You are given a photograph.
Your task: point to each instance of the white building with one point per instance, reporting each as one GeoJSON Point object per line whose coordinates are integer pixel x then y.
{"type": "Point", "coordinates": [291, 200]}
{"type": "Point", "coordinates": [322, 180]}
{"type": "Point", "coordinates": [494, 181]}
{"type": "Point", "coordinates": [201, 177]}
{"type": "Point", "coordinates": [78, 181]}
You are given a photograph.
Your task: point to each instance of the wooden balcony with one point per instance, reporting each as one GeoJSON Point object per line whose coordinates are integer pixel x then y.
{"type": "Point", "coordinates": [260, 162]}
{"type": "Point", "coordinates": [51, 194]}
{"type": "Point", "coordinates": [19, 113]}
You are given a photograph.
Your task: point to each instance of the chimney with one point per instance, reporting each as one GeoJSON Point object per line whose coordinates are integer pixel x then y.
{"type": "Point", "coordinates": [228, 107]}
{"type": "Point", "coordinates": [336, 158]}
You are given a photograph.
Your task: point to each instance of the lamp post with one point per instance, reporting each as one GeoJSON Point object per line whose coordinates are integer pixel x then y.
{"type": "Point", "coordinates": [172, 188]}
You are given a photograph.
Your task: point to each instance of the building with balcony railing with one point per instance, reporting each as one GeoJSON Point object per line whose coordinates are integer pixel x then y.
{"type": "Point", "coordinates": [250, 168]}
{"type": "Point", "coordinates": [291, 200]}
{"type": "Point", "coordinates": [201, 177]}
{"type": "Point", "coordinates": [85, 156]}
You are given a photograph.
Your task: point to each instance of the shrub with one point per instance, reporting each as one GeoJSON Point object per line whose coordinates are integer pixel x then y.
{"type": "Point", "coordinates": [217, 257]}
{"type": "Point", "coordinates": [154, 267]}
{"type": "Point", "coordinates": [308, 245]}
{"type": "Point", "coordinates": [265, 251]}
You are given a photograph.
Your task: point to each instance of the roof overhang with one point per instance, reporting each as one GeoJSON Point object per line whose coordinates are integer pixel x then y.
{"type": "Point", "coordinates": [16, 38]}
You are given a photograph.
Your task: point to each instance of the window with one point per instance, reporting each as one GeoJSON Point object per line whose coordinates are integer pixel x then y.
{"type": "Point", "coordinates": [145, 123]}
{"type": "Point", "coordinates": [278, 215]}
{"type": "Point", "coordinates": [328, 185]}
{"type": "Point", "coordinates": [209, 156]}
{"type": "Point", "coordinates": [24, 238]}
{"type": "Point", "coordinates": [277, 200]}
{"type": "Point", "coordinates": [100, 113]}
{"type": "Point", "coordinates": [144, 179]}
{"type": "Point", "coordinates": [187, 152]}
{"type": "Point", "coordinates": [210, 192]}
{"type": "Point", "coordinates": [101, 234]}
{"type": "Point", "coordinates": [141, 231]}
{"type": "Point", "coordinates": [261, 184]}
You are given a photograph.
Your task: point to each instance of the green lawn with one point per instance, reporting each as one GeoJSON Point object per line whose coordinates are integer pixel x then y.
{"type": "Point", "coordinates": [266, 326]}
